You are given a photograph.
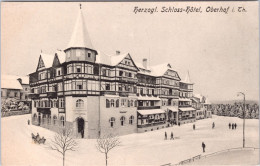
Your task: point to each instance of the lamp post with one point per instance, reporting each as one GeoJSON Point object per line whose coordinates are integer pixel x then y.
{"type": "Point", "coordinates": [244, 111]}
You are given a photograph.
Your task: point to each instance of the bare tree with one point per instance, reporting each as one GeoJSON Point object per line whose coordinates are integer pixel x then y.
{"type": "Point", "coordinates": [107, 143]}
{"type": "Point", "coordinates": [63, 142]}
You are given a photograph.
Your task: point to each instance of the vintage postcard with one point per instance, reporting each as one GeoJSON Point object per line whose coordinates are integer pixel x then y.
{"type": "Point", "coordinates": [130, 83]}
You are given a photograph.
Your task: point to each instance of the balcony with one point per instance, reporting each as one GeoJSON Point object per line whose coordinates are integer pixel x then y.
{"type": "Point", "coordinates": [125, 79]}
{"type": "Point", "coordinates": [107, 93]}
{"type": "Point", "coordinates": [33, 95]}
{"type": "Point", "coordinates": [52, 94]}
{"type": "Point", "coordinates": [183, 106]}
{"type": "Point", "coordinates": [123, 94]}
{"type": "Point", "coordinates": [151, 124]}
{"type": "Point", "coordinates": [147, 107]}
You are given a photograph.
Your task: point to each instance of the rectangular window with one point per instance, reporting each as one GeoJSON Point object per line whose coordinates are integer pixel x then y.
{"type": "Point", "coordinates": [61, 102]}
{"type": "Point", "coordinates": [107, 86]}
{"type": "Point", "coordinates": [89, 54]}
{"type": "Point", "coordinates": [78, 69]}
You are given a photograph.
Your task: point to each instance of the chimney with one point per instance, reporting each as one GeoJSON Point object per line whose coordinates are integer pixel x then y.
{"type": "Point", "coordinates": [20, 80]}
{"type": "Point", "coordinates": [117, 52]}
{"type": "Point", "coordinates": [145, 63]}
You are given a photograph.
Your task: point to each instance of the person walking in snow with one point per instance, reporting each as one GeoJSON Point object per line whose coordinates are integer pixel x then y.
{"type": "Point", "coordinates": [232, 126]}
{"type": "Point", "coordinates": [194, 127]}
{"type": "Point", "coordinates": [203, 147]}
{"type": "Point", "coordinates": [28, 122]}
{"type": "Point", "coordinates": [229, 125]}
{"type": "Point", "coordinates": [235, 125]}
{"type": "Point", "coordinates": [213, 125]}
{"type": "Point", "coordinates": [172, 135]}
{"type": "Point", "coordinates": [165, 136]}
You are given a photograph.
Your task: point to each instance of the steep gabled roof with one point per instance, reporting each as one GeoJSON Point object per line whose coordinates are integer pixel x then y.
{"type": "Point", "coordinates": [61, 55]}
{"type": "Point", "coordinates": [47, 60]}
{"type": "Point", "coordinates": [80, 36]}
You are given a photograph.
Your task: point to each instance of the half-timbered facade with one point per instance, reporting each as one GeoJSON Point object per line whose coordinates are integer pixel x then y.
{"type": "Point", "coordinates": [98, 94]}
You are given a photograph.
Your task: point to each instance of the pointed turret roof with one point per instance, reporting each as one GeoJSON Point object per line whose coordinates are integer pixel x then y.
{"type": "Point", "coordinates": [80, 36]}
{"type": "Point", "coordinates": [187, 79]}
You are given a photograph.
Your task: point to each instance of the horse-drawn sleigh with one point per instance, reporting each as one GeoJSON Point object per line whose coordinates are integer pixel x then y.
{"type": "Point", "coordinates": [38, 139]}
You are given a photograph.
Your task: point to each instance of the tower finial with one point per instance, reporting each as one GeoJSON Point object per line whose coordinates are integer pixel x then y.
{"type": "Point", "coordinates": [80, 6]}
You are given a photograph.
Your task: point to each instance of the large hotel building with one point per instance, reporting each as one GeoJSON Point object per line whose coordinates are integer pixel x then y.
{"type": "Point", "coordinates": [99, 94]}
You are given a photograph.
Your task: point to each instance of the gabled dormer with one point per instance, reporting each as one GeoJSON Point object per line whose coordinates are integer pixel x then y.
{"type": "Point", "coordinates": [44, 62]}
{"type": "Point", "coordinates": [125, 61]}
{"type": "Point", "coordinates": [80, 47]}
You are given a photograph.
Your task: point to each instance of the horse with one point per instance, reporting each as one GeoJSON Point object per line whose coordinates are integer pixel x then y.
{"type": "Point", "coordinates": [42, 140]}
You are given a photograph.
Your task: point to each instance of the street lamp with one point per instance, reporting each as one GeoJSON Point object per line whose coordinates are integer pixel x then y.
{"type": "Point", "coordinates": [244, 111]}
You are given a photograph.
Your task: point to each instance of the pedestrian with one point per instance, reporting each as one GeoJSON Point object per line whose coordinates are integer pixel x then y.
{"type": "Point", "coordinates": [203, 147]}
{"type": "Point", "coordinates": [194, 127]}
{"type": "Point", "coordinates": [28, 122]}
{"type": "Point", "coordinates": [82, 133]}
{"type": "Point", "coordinates": [229, 125]}
{"type": "Point", "coordinates": [235, 125]}
{"type": "Point", "coordinates": [213, 125]}
{"type": "Point", "coordinates": [172, 135]}
{"type": "Point", "coordinates": [165, 136]}
{"type": "Point", "coordinates": [232, 126]}
{"type": "Point", "coordinates": [179, 123]}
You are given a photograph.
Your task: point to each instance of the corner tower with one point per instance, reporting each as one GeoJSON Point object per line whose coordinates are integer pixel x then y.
{"type": "Point", "coordinates": [80, 47]}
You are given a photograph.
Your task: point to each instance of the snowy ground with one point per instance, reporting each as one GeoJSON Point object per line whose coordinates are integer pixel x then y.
{"type": "Point", "coordinates": [237, 157]}
{"type": "Point", "coordinates": [137, 149]}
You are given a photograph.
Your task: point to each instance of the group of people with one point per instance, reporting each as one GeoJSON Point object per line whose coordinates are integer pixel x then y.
{"type": "Point", "coordinates": [233, 125]}
{"type": "Point", "coordinates": [165, 135]}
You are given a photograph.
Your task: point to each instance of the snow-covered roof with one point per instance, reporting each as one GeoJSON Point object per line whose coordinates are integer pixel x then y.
{"type": "Point", "coordinates": [187, 109]}
{"type": "Point", "coordinates": [80, 36]}
{"type": "Point", "coordinates": [117, 59]}
{"type": "Point", "coordinates": [61, 55]}
{"type": "Point", "coordinates": [10, 82]}
{"type": "Point", "coordinates": [159, 70]}
{"type": "Point", "coordinates": [111, 60]}
{"type": "Point", "coordinates": [47, 59]}
{"type": "Point", "coordinates": [151, 111]}
{"type": "Point", "coordinates": [25, 79]}
{"type": "Point", "coordinates": [198, 96]}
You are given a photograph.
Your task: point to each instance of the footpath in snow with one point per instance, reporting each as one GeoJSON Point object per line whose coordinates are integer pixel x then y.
{"type": "Point", "coordinates": [148, 148]}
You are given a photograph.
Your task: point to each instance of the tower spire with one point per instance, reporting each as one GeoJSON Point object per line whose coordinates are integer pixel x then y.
{"type": "Point", "coordinates": [80, 37]}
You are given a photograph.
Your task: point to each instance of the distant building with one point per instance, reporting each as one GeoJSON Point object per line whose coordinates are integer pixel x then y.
{"type": "Point", "coordinates": [99, 94]}
{"type": "Point", "coordinates": [201, 104]}
{"type": "Point", "coordinates": [15, 87]}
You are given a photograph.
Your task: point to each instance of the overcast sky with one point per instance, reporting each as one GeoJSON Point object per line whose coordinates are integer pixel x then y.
{"type": "Point", "coordinates": [219, 50]}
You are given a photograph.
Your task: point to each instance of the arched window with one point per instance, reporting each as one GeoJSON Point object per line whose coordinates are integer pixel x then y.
{"type": "Point", "coordinates": [79, 103]}
{"type": "Point", "coordinates": [117, 103]}
{"type": "Point", "coordinates": [131, 119]}
{"type": "Point", "coordinates": [62, 120]}
{"type": "Point", "coordinates": [112, 121]}
{"type": "Point", "coordinates": [107, 103]}
{"type": "Point", "coordinates": [34, 117]}
{"type": "Point", "coordinates": [112, 103]}
{"type": "Point", "coordinates": [54, 120]}
{"type": "Point", "coordinates": [122, 120]}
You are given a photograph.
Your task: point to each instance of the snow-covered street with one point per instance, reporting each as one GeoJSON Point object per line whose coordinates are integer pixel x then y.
{"type": "Point", "coordinates": [137, 149]}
